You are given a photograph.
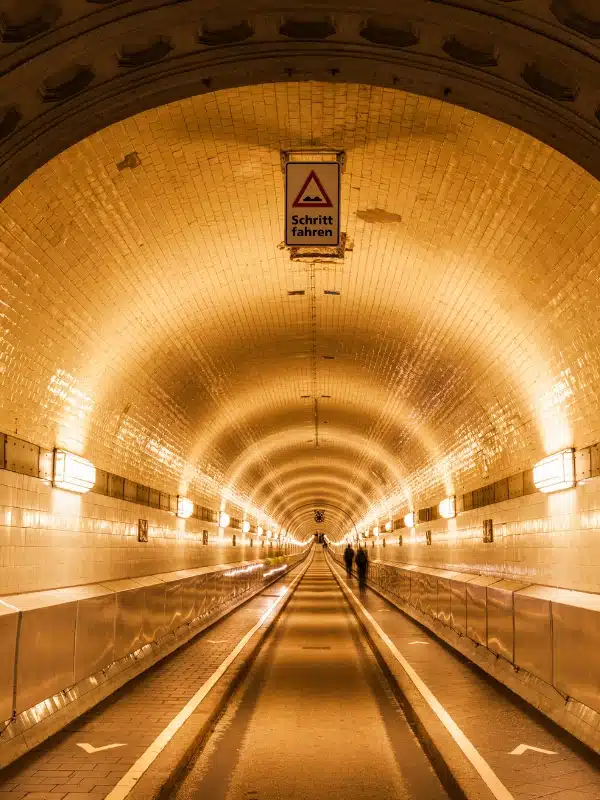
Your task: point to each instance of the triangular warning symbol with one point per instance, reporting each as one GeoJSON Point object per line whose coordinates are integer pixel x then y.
{"type": "Point", "coordinates": [312, 194]}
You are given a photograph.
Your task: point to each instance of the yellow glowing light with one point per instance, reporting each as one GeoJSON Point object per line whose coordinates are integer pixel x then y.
{"type": "Point", "coordinates": [185, 507]}
{"type": "Point", "coordinates": [376, 531]}
{"type": "Point", "coordinates": [269, 534]}
{"type": "Point", "coordinates": [246, 526]}
{"type": "Point", "coordinates": [555, 472]}
{"type": "Point", "coordinates": [388, 525]}
{"type": "Point", "coordinates": [410, 519]}
{"type": "Point", "coordinates": [447, 507]}
{"type": "Point", "coordinates": [73, 473]}
{"type": "Point", "coordinates": [224, 520]}
{"type": "Point", "coordinates": [259, 531]}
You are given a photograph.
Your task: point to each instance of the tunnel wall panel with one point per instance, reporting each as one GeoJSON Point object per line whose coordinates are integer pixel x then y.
{"type": "Point", "coordinates": [9, 623]}
{"type": "Point", "coordinates": [533, 633]}
{"type": "Point", "coordinates": [576, 651]}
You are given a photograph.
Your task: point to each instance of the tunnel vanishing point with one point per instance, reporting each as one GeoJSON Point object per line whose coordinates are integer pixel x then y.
{"type": "Point", "coordinates": [284, 288]}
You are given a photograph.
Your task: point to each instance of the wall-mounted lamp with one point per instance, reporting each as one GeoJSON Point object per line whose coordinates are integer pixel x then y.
{"type": "Point", "coordinates": [269, 534]}
{"type": "Point", "coordinates": [246, 526]}
{"type": "Point", "coordinates": [185, 507]}
{"type": "Point", "coordinates": [259, 532]}
{"type": "Point", "coordinates": [388, 525]}
{"type": "Point", "coordinates": [447, 507]}
{"type": "Point", "coordinates": [73, 473]}
{"type": "Point", "coordinates": [376, 530]}
{"type": "Point", "coordinates": [224, 520]}
{"type": "Point", "coordinates": [555, 472]}
{"type": "Point", "coordinates": [410, 519]}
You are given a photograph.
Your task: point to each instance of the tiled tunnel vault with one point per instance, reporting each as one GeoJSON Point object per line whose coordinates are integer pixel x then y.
{"type": "Point", "coordinates": [146, 320]}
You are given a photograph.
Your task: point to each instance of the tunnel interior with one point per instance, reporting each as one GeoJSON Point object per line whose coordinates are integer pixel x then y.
{"type": "Point", "coordinates": [199, 421]}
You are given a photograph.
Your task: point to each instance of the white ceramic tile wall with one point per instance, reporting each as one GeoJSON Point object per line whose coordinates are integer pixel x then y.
{"type": "Point", "coordinates": [547, 539]}
{"type": "Point", "coordinates": [50, 539]}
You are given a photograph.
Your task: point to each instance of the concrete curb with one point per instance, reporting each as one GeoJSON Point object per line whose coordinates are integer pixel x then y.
{"type": "Point", "coordinates": [160, 778]}
{"type": "Point", "coordinates": [460, 779]}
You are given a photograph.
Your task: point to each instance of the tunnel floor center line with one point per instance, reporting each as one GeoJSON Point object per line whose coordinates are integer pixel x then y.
{"type": "Point", "coordinates": [132, 776]}
{"type": "Point", "coordinates": [486, 773]}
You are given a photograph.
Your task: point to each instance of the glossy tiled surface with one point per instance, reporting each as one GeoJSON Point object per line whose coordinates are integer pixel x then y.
{"type": "Point", "coordinates": [51, 539]}
{"type": "Point", "coordinates": [147, 322]}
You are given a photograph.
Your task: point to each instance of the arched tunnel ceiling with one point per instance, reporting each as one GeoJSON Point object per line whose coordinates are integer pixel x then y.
{"type": "Point", "coordinates": [147, 321]}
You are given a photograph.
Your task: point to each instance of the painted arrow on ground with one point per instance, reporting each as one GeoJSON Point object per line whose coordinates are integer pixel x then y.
{"type": "Point", "coordinates": [518, 751]}
{"type": "Point", "coordinates": [89, 748]}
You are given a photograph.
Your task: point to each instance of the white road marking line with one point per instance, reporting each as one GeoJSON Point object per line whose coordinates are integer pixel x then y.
{"type": "Point", "coordinates": [418, 642]}
{"type": "Point", "coordinates": [216, 641]}
{"type": "Point", "coordinates": [135, 772]}
{"type": "Point", "coordinates": [89, 748]}
{"type": "Point", "coordinates": [518, 751]}
{"type": "Point", "coordinates": [489, 777]}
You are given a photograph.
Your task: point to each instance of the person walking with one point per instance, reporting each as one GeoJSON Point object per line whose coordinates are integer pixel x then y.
{"type": "Point", "coordinates": [348, 559]}
{"type": "Point", "coordinates": [362, 565]}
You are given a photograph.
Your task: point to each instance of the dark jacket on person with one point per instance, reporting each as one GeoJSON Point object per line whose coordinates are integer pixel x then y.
{"type": "Point", "coordinates": [362, 560]}
{"type": "Point", "coordinates": [349, 555]}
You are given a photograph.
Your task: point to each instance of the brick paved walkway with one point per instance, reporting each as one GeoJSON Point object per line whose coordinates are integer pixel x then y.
{"type": "Point", "coordinates": [494, 719]}
{"type": "Point", "coordinates": [134, 716]}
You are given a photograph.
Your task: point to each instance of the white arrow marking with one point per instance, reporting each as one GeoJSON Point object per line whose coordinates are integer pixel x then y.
{"type": "Point", "coordinates": [89, 748]}
{"type": "Point", "coordinates": [216, 641]}
{"type": "Point", "coordinates": [518, 751]}
{"type": "Point", "coordinates": [418, 642]}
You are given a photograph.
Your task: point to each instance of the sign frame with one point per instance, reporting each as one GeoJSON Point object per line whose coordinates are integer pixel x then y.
{"type": "Point", "coordinates": [319, 242]}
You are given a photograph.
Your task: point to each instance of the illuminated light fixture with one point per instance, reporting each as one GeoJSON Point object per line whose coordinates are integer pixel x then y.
{"type": "Point", "coordinates": [269, 534]}
{"type": "Point", "coordinates": [555, 472]}
{"type": "Point", "coordinates": [246, 526]}
{"type": "Point", "coordinates": [388, 525]}
{"type": "Point", "coordinates": [185, 507]}
{"type": "Point", "coordinates": [376, 530]}
{"type": "Point", "coordinates": [447, 507]}
{"type": "Point", "coordinates": [259, 531]}
{"type": "Point", "coordinates": [73, 473]}
{"type": "Point", "coordinates": [224, 520]}
{"type": "Point", "coordinates": [410, 520]}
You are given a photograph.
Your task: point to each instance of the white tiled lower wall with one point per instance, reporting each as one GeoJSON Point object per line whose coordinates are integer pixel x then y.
{"type": "Point", "coordinates": [547, 539]}
{"type": "Point", "coordinates": [50, 539]}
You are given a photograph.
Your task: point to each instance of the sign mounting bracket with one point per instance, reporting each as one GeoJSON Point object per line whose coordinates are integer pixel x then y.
{"type": "Point", "coordinates": [328, 155]}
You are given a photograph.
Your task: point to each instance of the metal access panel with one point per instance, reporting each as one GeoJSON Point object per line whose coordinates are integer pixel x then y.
{"type": "Point", "coordinates": [9, 622]}
{"type": "Point", "coordinates": [22, 457]}
{"type": "Point", "coordinates": [130, 491]}
{"type": "Point", "coordinates": [500, 634]}
{"type": "Point", "coordinates": [533, 632]}
{"type": "Point", "coordinates": [515, 485]}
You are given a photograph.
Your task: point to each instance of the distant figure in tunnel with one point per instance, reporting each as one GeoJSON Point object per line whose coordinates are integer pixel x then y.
{"type": "Point", "coordinates": [362, 565]}
{"type": "Point", "coordinates": [348, 559]}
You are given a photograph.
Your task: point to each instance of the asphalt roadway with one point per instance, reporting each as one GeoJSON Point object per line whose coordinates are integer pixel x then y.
{"type": "Point", "coordinates": [315, 718]}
